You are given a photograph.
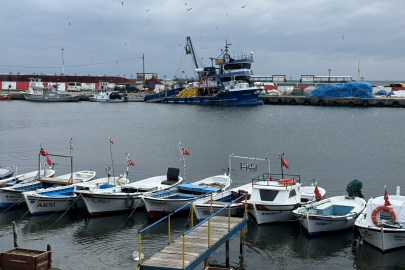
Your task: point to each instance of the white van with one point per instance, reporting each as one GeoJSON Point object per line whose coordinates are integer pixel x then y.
{"type": "Point", "coordinates": [74, 86]}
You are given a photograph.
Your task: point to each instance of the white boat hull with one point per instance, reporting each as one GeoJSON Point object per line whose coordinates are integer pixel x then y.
{"type": "Point", "coordinates": [39, 205]}
{"type": "Point", "coordinates": [204, 211]}
{"type": "Point", "coordinates": [271, 213]}
{"type": "Point", "coordinates": [318, 225]}
{"type": "Point", "coordinates": [156, 207]}
{"type": "Point", "coordinates": [99, 204]}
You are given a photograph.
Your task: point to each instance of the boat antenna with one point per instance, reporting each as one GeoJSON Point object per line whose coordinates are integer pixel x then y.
{"type": "Point", "coordinates": [112, 161]}
{"type": "Point", "coordinates": [183, 152]}
{"type": "Point", "coordinates": [358, 72]}
{"type": "Point", "coordinates": [71, 146]}
{"type": "Point", "coordinates": [281, 163]}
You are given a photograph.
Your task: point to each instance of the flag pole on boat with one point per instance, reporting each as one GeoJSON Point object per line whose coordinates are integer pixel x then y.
{"type": "Point", "coordinates": [183, 152]}
{"type": "Point", "coordinates": [112, 161]}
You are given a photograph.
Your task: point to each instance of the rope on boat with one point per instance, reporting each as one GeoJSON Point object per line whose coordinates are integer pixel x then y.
{"type": "Point", "coordinates": [13, 204]}
{"type": "Point", "coordinates": [131, 213]}
{"type": "Point", "coordinates": [77, 197]}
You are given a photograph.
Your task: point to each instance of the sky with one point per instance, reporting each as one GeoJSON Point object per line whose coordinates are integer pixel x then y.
{"type": "Point", "coordinates": [290, 37]}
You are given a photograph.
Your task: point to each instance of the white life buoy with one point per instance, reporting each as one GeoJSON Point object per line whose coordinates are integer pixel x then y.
{"type": "Point", "coordinates": [32, 84]}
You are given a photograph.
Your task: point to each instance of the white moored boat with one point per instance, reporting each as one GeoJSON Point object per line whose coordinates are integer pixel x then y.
{"type": "Point", "coordinates": [25, 177]}
{"type": "Point", "coordinates": [382, 222]}
{"type": "Point", "coordinates": [10, 195]}
{"type": "Point", "coordinates": [274, 201]}
{"type": "Point", "coordinates": [127, 197]}
{"type": "Point", "coordinates": [202, 207]}
{"type": "Point", "coordinates": [59, 198]}
{"type": "Point", "coordinates": [166, 202]}
{"type": "Point", "coordinates": [332, 214]}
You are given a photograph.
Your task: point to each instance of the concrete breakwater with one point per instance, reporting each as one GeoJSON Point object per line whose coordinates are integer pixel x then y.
{"type": "Point", "coordinates": [322, 101]}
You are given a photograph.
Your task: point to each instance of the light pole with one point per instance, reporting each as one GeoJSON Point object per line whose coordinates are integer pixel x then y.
{"type": "Point", "coordinates": [329, 75]}
{"type": "Point", "coordinates": [63, 64]}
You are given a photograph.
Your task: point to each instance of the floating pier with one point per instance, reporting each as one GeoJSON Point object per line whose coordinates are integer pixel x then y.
{"type": "Point", "coordinates": [197, 244]}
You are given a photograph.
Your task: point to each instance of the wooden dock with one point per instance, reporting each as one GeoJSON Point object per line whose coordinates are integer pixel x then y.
{"type": "Point", "coordinates": [196, 248]}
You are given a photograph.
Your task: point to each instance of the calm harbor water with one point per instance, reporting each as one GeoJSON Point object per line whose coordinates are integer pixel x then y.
{"type": "Point", "coordinates": [330, 144]}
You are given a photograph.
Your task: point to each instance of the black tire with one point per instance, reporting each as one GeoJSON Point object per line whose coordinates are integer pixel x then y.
{"type": "Point", "coordinates": [190, 99]}
{"type": "Point", "coordinates": [280, 101]}
{"type": "Point", "coordinates": [350, 103]}
{"type": "Point", "coordinates": [211, 100]}
{"type": "Point", "coordinates": [201, 99]}
{"type": "Point", "coordinates": [215, 100]}
{"type": "Point", "coordinates": [307, 102]}
{"type": "Point", "coordinates": [129, 202]}
{"type": "Point", "coordinates": [166, 100]}
{"type": "Point", "coordinates": [395, 104]}
{"type": "Point", "coordinates": [293, 102]}
{"type": "Point", "coordinates": [186, 100]}
{"type": "Point", "coordinates": [321, 102]}
{"type": "Point", "coordinates": [266, 101]}
{"type": "Point", "coordinates": [175, 100]}
{"type": "Point", "coordinates": [335, 103]}
{"type": "Point", "coordinates": [380, 104]}
{"type": "Point", "coordinates": [365, 103]}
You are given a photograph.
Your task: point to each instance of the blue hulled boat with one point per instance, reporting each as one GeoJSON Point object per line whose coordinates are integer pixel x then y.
{"type": "Point", "coordinates": [227, 84]}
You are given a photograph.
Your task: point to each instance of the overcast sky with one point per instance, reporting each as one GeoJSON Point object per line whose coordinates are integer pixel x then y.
{"type": "Point", "coordinates": [290, 37]}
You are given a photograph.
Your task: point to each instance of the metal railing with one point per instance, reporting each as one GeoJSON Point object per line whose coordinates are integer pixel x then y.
{"type": "Point", "coordinates": [266, 177]}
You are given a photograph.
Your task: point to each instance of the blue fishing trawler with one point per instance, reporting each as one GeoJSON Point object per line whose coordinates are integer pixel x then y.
{"type": "Point", "coordinates": [227, 84]}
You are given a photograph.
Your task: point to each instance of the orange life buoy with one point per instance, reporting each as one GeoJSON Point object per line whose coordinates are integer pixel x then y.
{"type": "Point", "coordinates": [378, 209]}
{"type": "Point", "coordinates": [286, 182]}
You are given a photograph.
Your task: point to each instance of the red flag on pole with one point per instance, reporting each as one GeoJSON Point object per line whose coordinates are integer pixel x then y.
{"type": "Point", "coordinates": [283, 163]}
{"type": "Point", "coordinates": [387, 202]}
{"type": "Point", "coordinates": [184, 152]}
{"type": "Point", "coordinates": [130, 162]}
{"type": "Point", "coordinates": [42, 152]}
{"type": "Point", "coordinates": [182, 71]}
{"type": "Point", "coordinates": [48, 160]}
{"type": "Point", "coordinates": [270, 179]}
{"type": "Point", "coordinates": [317, 193]}
{"type": "Point", "coordinates": [111, 141]}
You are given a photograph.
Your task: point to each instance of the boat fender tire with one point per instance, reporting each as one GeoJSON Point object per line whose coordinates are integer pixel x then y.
{"type": "Point", "coordinates": [73, 207]}
{"type": "Point", "coordinates": [378, 209]}
{"type": "Point", "coordinates": [226, 91]}
{"type": "Point", "coordinates": [350, 103]}
{"type": "Point", "coordinates": [321, 102]}
{"type": "Point", "coordinates": [186, 100]}
{"type": "Point", "coordinates": [307, 102]}
{"type": "Point", "coordinates": [293, 102]}
{"type": "Point", "coordinates": [280, 101]}
{"type": "Point", "coordinates": [297, 206]}
{"type": "Point", "coordinates": [190, 99]}
{"type": "Point", "coordinates": [266, 101]}
{"type": "Point", "coordinates": [201, 99]}
{"type": "Point", "coordinates": [166, 100]}
{"type": "Point", "coordinates": [32, 84]}
{"type": "Point", "coordinates": [215, 100]}
{"type": "Point", "coordinates": [335, 103]}
{"type": "Point", "coordinates": [380, 104]}
{"type": "Point", "coordinates": [395, 104]}
{"type": "Point", "coordinates": [129, 202]}
{"type": "Point", "coordinates": [365, 103]}
{"type": "Point", "coordinates": [210, 100]}
{"type": "Point", "coordinates": [175, 100]}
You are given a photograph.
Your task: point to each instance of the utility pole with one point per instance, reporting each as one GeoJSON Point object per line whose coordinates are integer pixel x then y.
{"type": "Point", "coordinates": [63, 64]}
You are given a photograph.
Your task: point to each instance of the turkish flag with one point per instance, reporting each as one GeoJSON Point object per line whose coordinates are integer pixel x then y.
{"type": "Point", "coordinates": [48, 160]}
{"type": "Point", "coordinates": [185, 153]}
{"type": "Point", "coordinates": [270, 179]}
{"type": "Point", "coordinates": [283, 163]}
{"type": "Point", "coordinates": [42, 152]}
{"type": "Point", "coordinates": [317, 193]}
{"type": "Point", "coordinates": [111, 141]}
{"type": "Point", "coordinates": [387, 202]}
{"type": "Point", "coordinates": [130, 162]}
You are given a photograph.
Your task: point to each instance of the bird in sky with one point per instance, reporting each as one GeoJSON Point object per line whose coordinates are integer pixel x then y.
{"type": "Point", "coordinates": [277, 18]}
{"type": "Point", "coordinates": [69, 23]}
{"type": "Point", "coordinates": [343, 37]}
{"type": "Point", "coordinates": [100, 18]}
{"type": "Point", "coordinates": [185, 4]}
{"type": "Point", "coordinates": [243, 6]}
{"type": "Point", "coordinates": [122, 3]}
{"type": "Point", "coordinates": [147, 10]}
{"type": "Point", "coordinates": [189, 9]}
{"type": "Point", "coordinates": [147, 20]}
{"type": "Point", "coordinates": [216, 27]}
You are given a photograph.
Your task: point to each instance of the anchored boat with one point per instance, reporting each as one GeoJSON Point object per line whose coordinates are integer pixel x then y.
{"type": "Point", "coordinates": [227, 84]}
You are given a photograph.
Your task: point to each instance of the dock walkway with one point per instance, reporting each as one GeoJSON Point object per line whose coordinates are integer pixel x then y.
{"type": "Point", "coordinates": [196, 245]}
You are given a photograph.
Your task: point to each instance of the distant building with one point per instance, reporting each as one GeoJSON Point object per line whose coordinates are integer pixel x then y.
{"type": "Point", "coordinates": [146, 76]}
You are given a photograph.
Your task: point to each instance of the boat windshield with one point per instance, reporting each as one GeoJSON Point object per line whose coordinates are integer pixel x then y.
{"type": "Point", "coordinates": [237, 66]}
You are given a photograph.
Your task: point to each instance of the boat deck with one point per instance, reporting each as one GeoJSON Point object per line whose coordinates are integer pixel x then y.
{"type": "Point", "coordinates": [196, 245]}
{"type": "Point", "coordinates": [59, 181]}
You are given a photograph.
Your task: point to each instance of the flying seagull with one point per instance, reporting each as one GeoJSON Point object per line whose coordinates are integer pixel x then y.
{"type": "Point", "coordinates": [147, 10]}
{"type": "Point", "coordinates": [343, 37]}
{"type": "Point", "coordinates": [122, 3]}
{"type": "Point", "coordinates": [189, 9]}
{"type": "Point", "coordinates": [243, 6]}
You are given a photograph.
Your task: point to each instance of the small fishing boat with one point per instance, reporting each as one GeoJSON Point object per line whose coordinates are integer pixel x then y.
{"type": "Point", "coordinates": [6, 96]}
{"type": "Point", "coordinates": [62, 198]}
{"type": "Point", "coordinates": [127, 197]}
{"type": "Point", "coordinates": [46, 94]}
{"type": "Point", "coordinates": [106, 94]}
{"type": "Point", "coordinates": [202, 207]}
{"type": "Point", "coordinates": [332, 214]}
{"type": "Point", "coordinates": [5, 173]}
{"type": "Point", "coordinates": [166, 202]}
{"type": "Point", "coordinates": [12, 195]}
{"type": "Point", "coordinates": [382, 222]}
{"type": "Point", "coordinates": [25, 177]}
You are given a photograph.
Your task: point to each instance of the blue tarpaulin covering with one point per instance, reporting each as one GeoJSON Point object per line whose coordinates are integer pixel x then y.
{"type": "Point", "coordinates": [381, 93]}
{"type": "Point", "coordinates": [349, 89]}
{"type": "Point", "coordinates": [190, 187]}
